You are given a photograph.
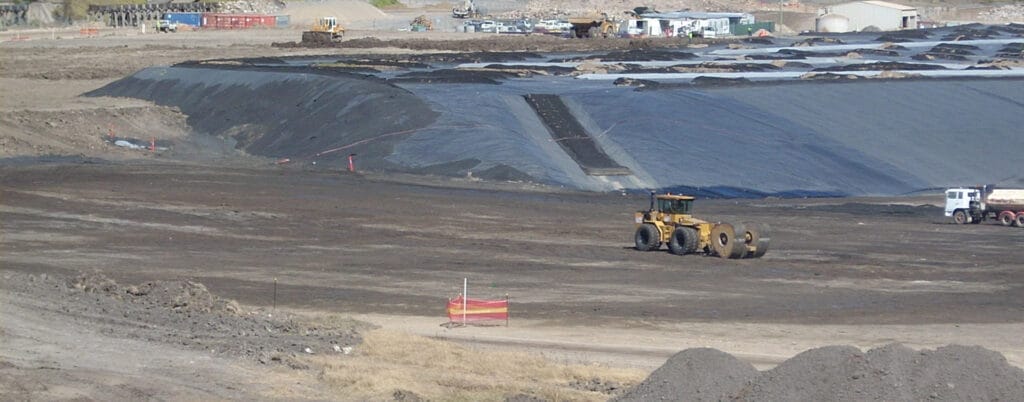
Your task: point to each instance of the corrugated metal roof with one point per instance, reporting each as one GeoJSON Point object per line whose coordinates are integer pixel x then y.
{"type": "Point", "coordinates": [887, 4]}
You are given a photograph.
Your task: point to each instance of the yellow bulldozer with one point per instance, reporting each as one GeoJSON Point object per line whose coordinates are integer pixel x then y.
{"type": "Point", "coordinates": [669, 221]}
{"type": "Point", "coordinates": [324, 30]}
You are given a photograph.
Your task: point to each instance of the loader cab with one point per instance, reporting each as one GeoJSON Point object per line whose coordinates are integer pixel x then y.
{"type": "Point", "coordinates": [329, 23]}
{"type": "Point", "coordinates": [675, 204]}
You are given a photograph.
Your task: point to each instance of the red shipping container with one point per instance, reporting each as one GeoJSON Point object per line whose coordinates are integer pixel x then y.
{"type": "Point", "coordinates": [238, 21]}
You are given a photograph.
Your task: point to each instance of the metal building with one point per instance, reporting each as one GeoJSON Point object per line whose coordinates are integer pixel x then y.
{"type": "Point", "coordinates": [874, 15]}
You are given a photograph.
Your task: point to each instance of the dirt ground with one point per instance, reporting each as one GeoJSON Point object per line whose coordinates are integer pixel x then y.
{"type": "Point", "coordinates": [389, 250]}
{"type": "Point", "coordinates": [390, 253]}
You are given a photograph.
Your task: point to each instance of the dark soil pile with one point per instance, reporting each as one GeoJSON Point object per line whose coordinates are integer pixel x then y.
{"type": "Point", "coordinates": [705, 81]}
{"type": "Point", "coordinates": [882, 65]}
{"type": "Point", "coordinates": [807, 53]}
{"type": "Point", "coordinates": [1013, 50]}
{"type": "Point", "coordinates": [903, 36]}
{"type": "Point", "coordinates": [815, 41]}
{"type": "Point", "coordinates": [548, 70]}
{"type": "Point", "coordinates": [637, 55]}
{"type": "Point", "coordinates": [186, 313]}
{"type": "Point", "coordinates": [876, 52]}
{"type": "Point", "coordinates": [839, 373]}
{"type": "Point", "coordinates": [947, 51]}
{"type": "Point", "coordinates": [699, 68]}
{"type": "Point", "coordinates": [972, 32]}
{"type": "Point", "coordinates": [454, 77]}
{"type": "Point", "coordinates": [504, 43]}
{"type": "Point", "coordinates": [701, 374]}
{"type": "Point", "coordinates": [777, 56]}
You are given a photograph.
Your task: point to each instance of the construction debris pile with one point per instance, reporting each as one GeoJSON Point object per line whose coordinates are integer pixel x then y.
{"type": "Point", "coordinates": [892, 372]}
{"type": "Point", "coordinates": [252, 6]}
{"type": "Point", "coordinates": [1009, 12]}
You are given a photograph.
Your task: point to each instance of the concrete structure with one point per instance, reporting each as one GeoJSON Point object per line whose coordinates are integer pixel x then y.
{"type": "Point", "coordinates": [873, 15]}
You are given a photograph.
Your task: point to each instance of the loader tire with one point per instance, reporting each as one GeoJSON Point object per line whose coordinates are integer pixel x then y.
{"type": "Point", "coordinates": [759, 236]}
{"type": "Point", "coordinates": [647, 237]}
{"type": "Point", "coordinates": [728, 240]}
{"type": "Point", "coordinates": [684, 241]}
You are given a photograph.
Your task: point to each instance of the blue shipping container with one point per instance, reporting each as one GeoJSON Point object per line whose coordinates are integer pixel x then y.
{"type": "Point", "coordinates": [282, 21]}
{"type": "Point", "coordinates": [193, 19]}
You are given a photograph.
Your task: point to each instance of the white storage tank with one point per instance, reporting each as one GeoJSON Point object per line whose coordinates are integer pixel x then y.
{"type": "Point", "coordinates": [832, 23]}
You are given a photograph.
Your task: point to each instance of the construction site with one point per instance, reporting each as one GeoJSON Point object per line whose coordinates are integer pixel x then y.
{"type": "Point", "coordinates": [512, 201]}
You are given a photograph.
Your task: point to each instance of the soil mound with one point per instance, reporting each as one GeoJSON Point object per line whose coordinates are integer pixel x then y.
{"type": "Point", "coordinates": [972, 32]}
{"type": "Point", "coordinates": [454, 77]}
{"type": "Point", "coordinates": [181, 296]}
{"type": "Point", "coordinates": [1013, 50]}
{"type": "Point", "coordinates": [187, 314]}
{"type": "Point", "coordinates": [893, 372]}
{"type": "Point", "coordinates": [700, 374]}
{"type": "Point", "coordinates": [705, 81]}
{"type": "Point", "coordinates": [638, 55]}
{"type": "Point", "coordinates": [815, 41]}
{"type": "Point", "coordinates": [882, 65]}
{"type": "Point", "coordinates": [903, 36]}
{"type": "Point", "coordinates": [504, 43]}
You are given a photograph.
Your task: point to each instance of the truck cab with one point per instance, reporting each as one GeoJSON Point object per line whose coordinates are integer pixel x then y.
{"type": "Point", "coordinates": [964, 205]}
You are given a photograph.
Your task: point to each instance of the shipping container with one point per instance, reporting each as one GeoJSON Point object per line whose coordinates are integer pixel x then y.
{"type": "Point", "coordinates": [192, 19]}
{"type": "Point", "coordinates": [237, 21]}
{"type": "Point", "coordinates": [283, 21]}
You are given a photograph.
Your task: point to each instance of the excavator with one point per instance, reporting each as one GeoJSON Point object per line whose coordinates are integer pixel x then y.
{"type": "Point", "coordinates": [325, 30]}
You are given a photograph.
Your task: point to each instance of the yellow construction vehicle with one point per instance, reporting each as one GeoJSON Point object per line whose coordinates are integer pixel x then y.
{"type": "Point", "coordinates": [668, 221]}
{"type": "Point", "coordinates": [593, 26]}
{"type": "Point", "coordinates": [325, 30]}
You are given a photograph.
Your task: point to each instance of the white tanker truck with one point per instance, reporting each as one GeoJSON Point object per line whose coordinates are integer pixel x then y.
{"type": "Point", "coordinates": [976, 204]}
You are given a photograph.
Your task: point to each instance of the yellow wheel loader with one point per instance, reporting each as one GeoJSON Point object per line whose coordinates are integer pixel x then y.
{"type": "Point", "coordinates": [668, 221]}
{"type": "Point", "coordinates": [593, 26]}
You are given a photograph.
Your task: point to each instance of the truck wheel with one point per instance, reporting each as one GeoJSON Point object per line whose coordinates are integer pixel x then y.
{"type": "Point", "coordinates": [647, 237]}
{"type": "Point", "coordinates": [961, 217]}
{"type": "Point", "coordinates": [1006, 218]}
{"type": "Point", "coordinates": [726, 243]}
{"type": "Point", "coordinates": [759, 236]}
{"type": "Point", "coordinates": [1019, 222]}
{"type": "Point", "coordinates": [684, 241]}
